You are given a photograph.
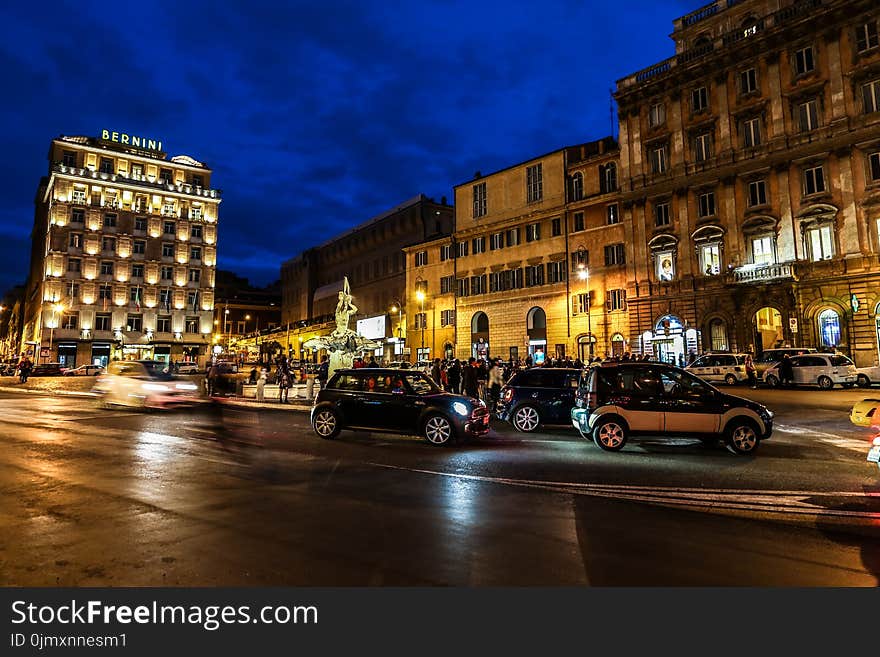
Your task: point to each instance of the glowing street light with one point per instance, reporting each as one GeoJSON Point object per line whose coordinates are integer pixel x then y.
{"type": "Point", "coordinates": [584, 275]}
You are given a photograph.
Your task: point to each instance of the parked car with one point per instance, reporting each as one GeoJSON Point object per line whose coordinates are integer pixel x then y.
{"type": "Point", "coordinates": [85, 370]}
{"type": "Point", "coordinates": [769, 357]}
{"type": "Point", "coordinates": [539, 395]}
{"type": "Point", "coordinates": [186, 368]}
{"type": "Point", "coordinates": [866, 413]}
{"type": "Point", "coordinates": [399, 401]}
{"type": "Point", "coordinates": [720, 367]}
{"type": "Point", "coordinates": [823, 370]}
{"type": "Point", "coordinates": [48, 369]}
{"type": "Point", "coordinates": [144, 384]}
{"type": "Point", "coordinates": [867, 376]}
{"type": "Point", "coordinates": [615, 401]}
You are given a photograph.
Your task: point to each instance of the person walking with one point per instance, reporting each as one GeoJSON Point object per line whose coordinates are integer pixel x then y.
{"type": "Point", "coordinates": [750, 371]}
{"type": "Point", "coordinates": [496, 380]}
{"type": "Point", "coordinates": [323, 372]}
{"type": "Point", "coordinates": [435, 371]}
{"type": "Point", "coordinates": [786, 371]}
{"type": "Point", "coordinates": [24, 369]}
{"type": "Point", "coordinates": [453, 374]}
{"type": "Point", "coordinates": [469, 380]}
{"type": "Point", "coordinates": [283, 384]}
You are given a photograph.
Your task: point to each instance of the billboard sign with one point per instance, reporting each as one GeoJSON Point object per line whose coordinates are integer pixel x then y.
{"type": "Point", "coordinates": [372, 328]}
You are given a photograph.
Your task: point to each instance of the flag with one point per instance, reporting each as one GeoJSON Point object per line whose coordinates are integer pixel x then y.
{"type": "Point", "coordinates": [137, 298]}
{"type": "Point", "coordinates": [168, 300]}
{"type": "Point", "coordinates": [195, 301]}
{"type": "Point", "coordinates": [104, 299]}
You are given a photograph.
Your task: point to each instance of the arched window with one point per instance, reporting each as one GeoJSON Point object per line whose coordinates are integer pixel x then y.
{"type": "Point", "coordinates": [718, 335]}
{"type": "Point", "coordinates": [829, 328]}
{"type": "Point", "coordinates": [577, 186]}
{"type": "Point", "coordinates": [608, 178]}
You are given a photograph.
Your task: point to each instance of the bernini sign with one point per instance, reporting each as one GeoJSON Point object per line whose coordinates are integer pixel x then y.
{"type": "Point", "coordinates": [131, 140]}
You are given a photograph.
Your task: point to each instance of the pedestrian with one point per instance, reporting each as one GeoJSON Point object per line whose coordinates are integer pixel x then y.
{"type": "Point", "coordinates": [213, 376]}
{"type": "Point", "coordinates": [453, 374]}
{"type": "Point", "coordinates": [435, 371]}
{"type": "Point", "coordinates": [496, 380]}
{"type": "Point", "coordinates": [323, 372]}
{"type": "Point", "coordinates": [283, 384]}
{"type": "Point", "coordinates": [469, 378]}
{"type": "Point", "coordinates": [372, 362]}
{"type": "Point", "coordinates": [24, 369]}
{"type": "Point", "coordinates": [786, 371]}
{"type": "Point", "coordinates": [750, 371]}
{"type": "Point", "coordinates": [261, 385]}
{"type": "Point", "coordinates": [482, 379]}
{"type": "Point", "coordinates": [208, 368]}
{"type": "Point", "coordinates": [252, 377]}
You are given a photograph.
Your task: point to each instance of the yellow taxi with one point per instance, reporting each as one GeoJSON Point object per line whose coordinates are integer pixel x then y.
{"type": "Point", "coordinates": [865, 413]}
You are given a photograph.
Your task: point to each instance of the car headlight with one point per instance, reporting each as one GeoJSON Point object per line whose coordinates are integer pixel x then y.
{"type": "Point", "coordinates": [460, 408]}
{"type": "Point", "coordinates": [155, 387]}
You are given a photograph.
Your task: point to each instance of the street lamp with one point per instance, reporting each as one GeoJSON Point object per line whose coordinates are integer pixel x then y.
{"type": "Point", "coordinates": [584, 275]}
{"type": "Point", "coordinates": [420, 295]}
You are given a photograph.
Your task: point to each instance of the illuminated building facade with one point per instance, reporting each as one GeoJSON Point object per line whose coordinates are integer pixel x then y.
{"type": "Point", "coordinates": [123, 254]}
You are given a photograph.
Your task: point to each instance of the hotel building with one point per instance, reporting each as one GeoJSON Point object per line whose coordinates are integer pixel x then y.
{"type": "Point", "coordinates": [123, 255]}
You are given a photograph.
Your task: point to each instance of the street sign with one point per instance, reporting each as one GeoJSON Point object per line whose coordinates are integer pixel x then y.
{"type": "Point", "coordinates": [792, 324]}
{"type": "Point", "coordinates": [44, 352]}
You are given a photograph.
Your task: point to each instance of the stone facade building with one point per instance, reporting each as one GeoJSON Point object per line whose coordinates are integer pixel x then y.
{"type": "Point", "coordinates": [750, 181]}
{"type": "Point", "coordinates": [123, 254]}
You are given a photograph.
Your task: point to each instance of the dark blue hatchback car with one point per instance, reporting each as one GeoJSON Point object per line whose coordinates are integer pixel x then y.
{"type": "Point", "coordinates": [540, 395]}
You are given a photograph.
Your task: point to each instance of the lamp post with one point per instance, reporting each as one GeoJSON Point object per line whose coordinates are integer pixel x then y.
{"type": "Point", "coordinates": [420, 295]}
{"type": "Point", "coordinates": [584, 275]}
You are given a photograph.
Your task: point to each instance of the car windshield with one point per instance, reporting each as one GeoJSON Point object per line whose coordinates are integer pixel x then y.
{"type": "Point", "coordinates": [421, 385]}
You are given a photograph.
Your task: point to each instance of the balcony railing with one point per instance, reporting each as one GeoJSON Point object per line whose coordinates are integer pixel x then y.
{"type": "Point", "coordinates": [763, 273]}
{"type": "Point", "coordinates": [136, 179]}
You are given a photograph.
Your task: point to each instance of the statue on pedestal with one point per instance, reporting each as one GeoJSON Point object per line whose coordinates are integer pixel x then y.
{"type": "Point", "coordinates": [343, 343]}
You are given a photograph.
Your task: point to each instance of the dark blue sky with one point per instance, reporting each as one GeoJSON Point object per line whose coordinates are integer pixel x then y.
{"type": "Point", "coordinates": [314, 116]}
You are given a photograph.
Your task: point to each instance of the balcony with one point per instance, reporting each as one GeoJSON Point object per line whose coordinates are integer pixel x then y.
{"type": "Point", "coordinates": [764, 273]}
{"type": "Point", "coordinates": [136, 179]}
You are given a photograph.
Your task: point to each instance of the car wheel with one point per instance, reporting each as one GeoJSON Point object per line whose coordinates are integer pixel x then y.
{"type": "Point", "coordinates": [730, 380]}
{"type": "Point", "coordinates": [326, 423]}
{"type": "Point", "coordinates": [742, 436]}
{"type": "Point", "coordinates": [772, 381]}
{"type": "Point", "coordinates": [863, 381]}
{"type": "Point", "coordinates": [438, 430]}
{"type": "Point", "coordinates": [610, 434]}
{"type": "Point", "coordinates": [825, 383]}
{"type": "Point", "coordinates": [526, 419]}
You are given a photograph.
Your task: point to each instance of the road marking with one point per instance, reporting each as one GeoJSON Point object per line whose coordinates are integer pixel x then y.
{"type": "Point", "coordinates": [853, 444]}
{"type": "Point", "coordinates": [711, 499]}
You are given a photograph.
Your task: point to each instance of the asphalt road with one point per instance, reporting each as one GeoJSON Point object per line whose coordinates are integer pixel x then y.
{"type": "Point", "coordinates": [94, 497]}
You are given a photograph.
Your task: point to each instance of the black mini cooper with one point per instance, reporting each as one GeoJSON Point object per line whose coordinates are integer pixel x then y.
{"type": "Point", "coordinates": [399, 401]}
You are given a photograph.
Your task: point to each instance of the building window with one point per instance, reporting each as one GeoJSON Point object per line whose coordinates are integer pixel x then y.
{"type": "Point", "coordinates": [167, 273]}
{"type": "Point", "coordinates": [577, 186]}
{"type": "Point", "coordinates": [556, 227]}
{"type": "Point", "coordinates": [165, 176]}
{"type": "Point", "coordinates": [195, 231]}
{"type": "Point", "coordinates": [615, 300]}
{"type": "Point", "coordinates": [165, 298]}
{"type": "Point", "coordinates": [462, 248]}
{"type": "Point", "coordinates": [421, 258]}
{"type": "Point", "coordinates": [478, 284]}
{"type": "Point", "coordinates": [478, 244]}
{"type": "Point", "coordinates": [829, 328]}
{"type": "Point", "coordinates": [515, 278]}
{"type": "Point", "coordinates": [105, 292]}
{"type": "Point", "coordinates": [866, 36]}
{"type": "Point", "coordinates": [496, 241]}
{"type": "Point", "coordinates": [140, 224]}
{"type": "Point", "coordinates": [702, 147]}
{"type": "Point", "coordinates": [106, 165]}
{"type": "Point", "coordinates": [422, 286]}
{"type": "Point", "coordinates": [579, 259]}
{"type": "Point", "coordinates": [70, 320]}
{"type": "Point", "coordinates": [762, 250]}
{"type": "Point", "coordinates": [615, 255]}
{"type": "Point", "coordinates": [110, 201]}
{"type": "Point", "coordinates": [445, 252]}
{"type": "Point", "coordinates": [134, 295]}
{"type": "Point", "coordinates": [78, 216]}
{"type": "Point", "coordinates": [134, 323]}
{"type": "Point", "coordinates": [107, 267]}
{"type": "Point", "coordinates": [533, 232]}
{"type": "Point", "coordinates": [420, 321]}
{"type": "Point", "coordinates": [611, 215]}
{"type": "Point", "coordinates": [198, 180]}
{"type": "Point", "coordinates": [804, 61]}
{"type": "Point", "coordinates": [579, 221]}
{"type": "Point", "coordinates": [74, 265]}
{"type": "Point", "coordinates": [192, 325]}
{"type": "Point", "coordinates": [169, 228]}
{"type": "Point", "coordinates": [874, 166]}
{"type": "Point", "coordinates": [137, 271]}
{"type": "Point", "coordinates": [751, 132]}
{"type": "Point", "coordinates": [535, 183]}
{"type": "Point", "coordinates": [820, 242]}
{"type": "Point", "coordinates": [580, 303]}
{"type": "Point", "coordinates": [814, 181]}
{"type": "Point", "coordinates": [68, 158]}
{"type": "Point", "coordinates": [757, 193]}
{"type": "Point", "coordinates": [657, 115]}
{"type": "Point", "coordinates": [665, 265]}
{"type": "Point", "coordinates": [661, 214]}
{"type": "Point", "coordinates": [658, 160]}
{"type": "Point", "coordinates": [464, 287]}
{"type": "Point", "coordinates": [163, 324]}
{"type": "Point", "coordinates": [102, 322]}
{"type": "Point", "coordinates": [718, 335]}
{"type": "Point", "coordinates": [167, 250]}
{"type": "Point", "coordinates": [707, 204]}
{"type": "Point", "coordinates": [108, 244]}
{"type": "Point", "coordinates": [110, 220]}
{"type": "Point", "coordinates": [513, 237]}
{"type": "Point", "coordinates": [748, 81]}
{"type": "Point", "coordinates": [534, 275]}
{"type": "Point", "coordinates": [710, 259]}
{"type": "Point", "coordinates": [195, 212]}
{"type": "Point", "coordinates": [195, 275]}
{"type": "Point", "coordinates": [871, 96]}
{"type": "Point", "coordinates": [808, 116]}
{"type": "Point", "coordinates": [139, 247]}
{"type": "Point", "coordinates": [76, 240]}
{"type": "Point", "coordinates": [447, 318]}
{"type": "Point", "coordinates": [479, 191]}
{"type": "Point", "coordinates": [700, 99]}
{"type": "Point", "coordinates": [607, 178]}
{"type": "Point", "coordinates": [556, 271]}
{"type": "Point", "coordinates": [446, 284]}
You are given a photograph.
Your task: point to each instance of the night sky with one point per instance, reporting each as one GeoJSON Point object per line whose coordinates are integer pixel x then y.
{"type": "Point", "coordinates": [314, 116]}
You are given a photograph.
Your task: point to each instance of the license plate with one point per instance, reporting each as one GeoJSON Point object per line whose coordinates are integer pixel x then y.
{"type": "Point", "coordinates": [874, 454]}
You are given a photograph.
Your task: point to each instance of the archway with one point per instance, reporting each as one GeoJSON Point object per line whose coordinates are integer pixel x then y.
{"type": "Point", "coordinates": [448, 351]}
{"type": "Point", "coordinates": [536, 328]}
{"type": "Point", "coordinates": [618, 344]}
{"type": "Point", "coordinates": [671, 341]}
{"type": "Point", "coordinates": [586, 347]}
{"type": "Point", "coordinates": [768, 329]}
{"type": "Point", "coordinates": [718, 339]}
{"type": "Point", "coordinates": [877, 329]}
{"type": "Point", "coordinates": [480, 335]}
{"type": "Point", "coordinates": [829, 328]}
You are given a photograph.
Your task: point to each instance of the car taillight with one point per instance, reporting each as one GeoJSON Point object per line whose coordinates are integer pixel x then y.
{"type": "Point", "coordinates": [508, 394]}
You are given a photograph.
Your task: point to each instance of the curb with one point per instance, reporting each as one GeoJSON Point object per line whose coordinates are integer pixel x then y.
{"type": "Point", "coordinates": [37, 391]}
{"type": "Point", "coordinates": [276, 406]}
